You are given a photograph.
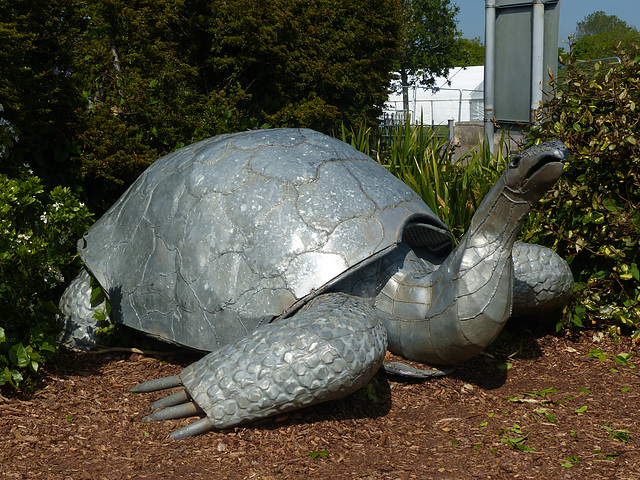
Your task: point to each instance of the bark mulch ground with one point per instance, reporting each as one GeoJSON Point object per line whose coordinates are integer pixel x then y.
{"type": "Point", "coordinates": [555, 414]}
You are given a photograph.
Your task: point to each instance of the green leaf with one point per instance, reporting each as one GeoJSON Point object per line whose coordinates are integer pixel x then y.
{"type": "Point", "coordinates": [16, 377]}
{"type": "Point", "coordinates": [577, 320]}
{"type": "Point", "coordinates": [571, 461]}
{"type": "Point", "coordinates": [620, 435]}
{"type": "Point", "coordinates": [597, 353]}
{"type": "Point", "coordinates": [96, 294]}
{"type": "Point", "coordinates": [319, 453]}
{"type": "Point", "coordinates": [19, 355]}
{"type": "Point", "coordinates": [519, 445]}
{"type": "Point", "coordinates": [581, 409]}
{"type": "Point", "coordinates": [49, 307]}
{"type": "Point", "coordinates": [5, 375]}
{"type": "Point", "coordinates": [543, 393]}
{"type": "Point", "coordinates": [47, 347]}
{"type": "Point", "coordinates": [623, 358]}
{"type": "Point", "coordinates": [633, 270]}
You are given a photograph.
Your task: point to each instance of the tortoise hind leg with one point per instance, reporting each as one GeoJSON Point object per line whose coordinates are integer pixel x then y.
{"type": "Point", "coordinates": [329, 349]}
{"type": "Point", "coordinates": [543, 280]}
{"type": "Point", "coordinates": [77, 320]}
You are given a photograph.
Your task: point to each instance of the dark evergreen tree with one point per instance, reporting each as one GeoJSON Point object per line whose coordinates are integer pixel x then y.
{"type": "Point", "coordinates": [98, 90]}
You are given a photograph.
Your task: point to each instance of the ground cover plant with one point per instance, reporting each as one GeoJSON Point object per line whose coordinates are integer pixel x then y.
{"type": "Point", "coordinates": [39, 228]}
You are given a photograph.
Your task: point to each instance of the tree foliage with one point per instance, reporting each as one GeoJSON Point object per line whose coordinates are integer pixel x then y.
{"type": "Point", "coordinates": [142, 97]}
{"type": "Point", "coordinates": [98, 90]}
{"type": "Point", "coordinates": [598, 34]}
{"type": "Point", "coordinates": [468, 53]}
{"type": "Point", "coordinates": [429, 39]}
{"type": "Point", "coordinates": [38, 92]}
{"type": "Point", "coordinates": [594, 219]}
{"type": "Point", "coordinates": [313, 63]}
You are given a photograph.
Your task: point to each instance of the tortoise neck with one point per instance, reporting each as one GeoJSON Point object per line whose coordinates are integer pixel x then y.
{"type": "Point", "coordinates": [451, 314]}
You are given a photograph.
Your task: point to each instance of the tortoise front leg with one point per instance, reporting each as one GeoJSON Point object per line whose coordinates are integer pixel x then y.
{"type": "Point", "coordinates": [329, 349]}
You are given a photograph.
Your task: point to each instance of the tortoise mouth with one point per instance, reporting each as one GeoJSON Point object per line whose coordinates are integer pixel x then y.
{"type": "Point", "coordinates": [544, 161]}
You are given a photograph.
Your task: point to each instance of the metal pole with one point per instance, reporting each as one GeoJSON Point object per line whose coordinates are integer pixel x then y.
{"type": "Point", "coordinates": [450, 136]}
{"type": "Point", "coordinates": [489, 70]}
{"type": "Point", "coordinates": [537, 60]}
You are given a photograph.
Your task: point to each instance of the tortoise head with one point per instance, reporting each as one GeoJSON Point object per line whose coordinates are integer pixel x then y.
{"type": "Point", "coordinates": [531, 173]}
{"type": "Point", "coordinates": [525, 180]}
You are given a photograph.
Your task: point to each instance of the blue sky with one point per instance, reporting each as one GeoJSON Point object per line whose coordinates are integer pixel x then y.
{"type": "Point", "coordinates": [471, 15]}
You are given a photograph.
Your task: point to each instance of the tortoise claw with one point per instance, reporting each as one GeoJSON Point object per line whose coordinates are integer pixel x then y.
{"type": "Point", "coordinates": [158, 384]}
{"type": "Point", "coordinates": [196, 428]}
{"type": "Point", "coordinates": [172, 400]}
{"type": "Point", "coordinates": [176, 405]}
{"type": "Point", "coordinates": [404, 370]}
{"type": "Point", "coordinates": [178, 411]}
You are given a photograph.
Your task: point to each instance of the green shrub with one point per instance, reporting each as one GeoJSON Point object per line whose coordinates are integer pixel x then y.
{"type": "Point", "coordinates": [594, 221]}
{"type": "Point", "coordinates": [38, 232]}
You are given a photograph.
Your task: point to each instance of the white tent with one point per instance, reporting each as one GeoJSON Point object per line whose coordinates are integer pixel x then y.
{"type": "Point", "coordinates": [459, 97]}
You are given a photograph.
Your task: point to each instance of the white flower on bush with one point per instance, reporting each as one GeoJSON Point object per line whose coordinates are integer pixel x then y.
{"type": "Point", "coordinates": [7, 134]}
{"type": "Point", "coordinates": [55, 276]}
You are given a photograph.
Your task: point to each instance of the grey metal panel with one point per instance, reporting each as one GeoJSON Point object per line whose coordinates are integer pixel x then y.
{"type": "Point", "coordinates": [513, 64]}
{"type": "Point", "coordinates": [513, 57]}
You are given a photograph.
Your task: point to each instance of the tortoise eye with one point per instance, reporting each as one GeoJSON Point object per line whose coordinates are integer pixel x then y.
{"type": "Point", "coordinates": [515, 161]}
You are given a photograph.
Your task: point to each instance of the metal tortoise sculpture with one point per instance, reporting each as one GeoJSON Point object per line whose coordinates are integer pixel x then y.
{"type": "Point", "coordinates": [297, 261]}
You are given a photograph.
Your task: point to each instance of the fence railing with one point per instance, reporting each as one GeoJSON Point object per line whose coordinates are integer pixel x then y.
{"type": "Point", "coordinates": [450, 103]}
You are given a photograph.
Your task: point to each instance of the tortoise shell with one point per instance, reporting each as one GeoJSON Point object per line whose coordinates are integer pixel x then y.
{"type": "Point", "coordinates": [230, 233]}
